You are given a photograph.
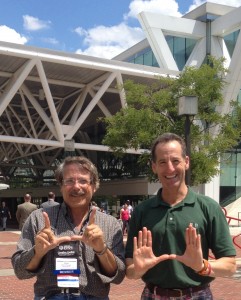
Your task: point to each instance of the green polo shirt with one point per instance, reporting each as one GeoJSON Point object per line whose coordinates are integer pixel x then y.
{"type": "Point", "coordinates": [168, 225]}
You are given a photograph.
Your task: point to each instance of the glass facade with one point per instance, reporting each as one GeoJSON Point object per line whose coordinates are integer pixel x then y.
{"type": "Point", "coordinates": [145, 57]}
{"type": "Point", "coordinates": [230, 179]}
{"type": "Point", "coordinates": [181, 49]}
{"type": "Point", "coordinates": [230, 41]}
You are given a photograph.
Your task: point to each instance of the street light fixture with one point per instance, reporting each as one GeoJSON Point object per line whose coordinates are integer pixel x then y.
{"type": "Point", "coordinates": [188, 106]}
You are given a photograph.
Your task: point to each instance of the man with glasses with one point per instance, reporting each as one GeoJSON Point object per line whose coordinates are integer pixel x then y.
{"type": "Point", "coordinates": [75, 251]}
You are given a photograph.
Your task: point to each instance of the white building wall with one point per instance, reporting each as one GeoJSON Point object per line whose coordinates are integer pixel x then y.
{"type": "Point", "coordinates": [211, 189]}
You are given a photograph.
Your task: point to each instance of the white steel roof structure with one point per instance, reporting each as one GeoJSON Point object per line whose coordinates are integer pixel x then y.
{"type": "Point", "coordinates": [52, 100]}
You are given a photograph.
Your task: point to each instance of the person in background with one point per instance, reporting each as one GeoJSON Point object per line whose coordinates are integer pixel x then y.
{"type": "Point", "coordinates": [171, 234]}
{"type": "Point", "coordinates": [5, 214]}
{"type": "Point", "coordinates": [74, 250]}
{"type": "Point", "coordinates": [24, 210]}
{"type": "Point", "coordinates": [50, 202]}
{"type": "Point", "coordinates": [95, 205]}
{"type": "Point", "coordinates": [125, 217]}
{"type": "Point", "coordinates": [130, 208]}
{"type": "Point", "coordinates": [102, 209]}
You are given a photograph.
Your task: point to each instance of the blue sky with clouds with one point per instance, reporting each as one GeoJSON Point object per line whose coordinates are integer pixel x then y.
{"type": "Point", "coordinates": [102, 28]}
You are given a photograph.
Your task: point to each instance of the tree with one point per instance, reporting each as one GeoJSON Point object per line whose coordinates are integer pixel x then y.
{"type": "Point", "coordinates": [152, 110]}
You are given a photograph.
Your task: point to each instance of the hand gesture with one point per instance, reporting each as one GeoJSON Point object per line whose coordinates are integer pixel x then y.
{"type": "Point", "coordinates": [93, 236]}
{"type": "Point", "coordinates": [143, 256]}
{"type": "Point", "coordinates": [45, 239]}
{"type": "Point", "coordinates": [193, 256]}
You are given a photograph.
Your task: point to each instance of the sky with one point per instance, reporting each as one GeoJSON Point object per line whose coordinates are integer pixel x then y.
{"type": "Point", "coordinates": [101, 28]}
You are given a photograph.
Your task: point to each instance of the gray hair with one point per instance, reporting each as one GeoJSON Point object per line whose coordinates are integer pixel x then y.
{"type": "Point", "coordinates": [83, 163]}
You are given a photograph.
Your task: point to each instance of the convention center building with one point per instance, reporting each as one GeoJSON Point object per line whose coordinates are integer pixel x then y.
{"type": "Point", "coordinates": [51, 103]}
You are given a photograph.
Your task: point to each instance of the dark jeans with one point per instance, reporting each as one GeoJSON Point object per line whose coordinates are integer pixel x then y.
{"type": "Point", "coordinates": [4, 222]}
{"type": "Point", "coordinates": [70, 297]}
{"type": "Point", "coordinates": [125, 226]}
{"type": "Point", "coordinates": [204, 294]}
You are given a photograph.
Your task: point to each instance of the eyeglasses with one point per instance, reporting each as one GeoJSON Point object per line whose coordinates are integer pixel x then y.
{"type": "Point", "coordinates": [72, 181]}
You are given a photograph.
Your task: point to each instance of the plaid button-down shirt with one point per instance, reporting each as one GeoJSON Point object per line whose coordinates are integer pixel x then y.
{"type": "Point", "coordinates": [91, 281]}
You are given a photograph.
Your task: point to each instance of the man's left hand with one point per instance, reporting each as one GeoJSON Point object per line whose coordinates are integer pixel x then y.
{"type": "Point", "coordinates": [93, 236]}
{"type": "Point", "coordinates": [193, 256]}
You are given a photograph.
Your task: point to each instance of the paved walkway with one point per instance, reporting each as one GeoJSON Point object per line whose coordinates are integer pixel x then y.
{"type": "Point", "coordinates": [12, 288]}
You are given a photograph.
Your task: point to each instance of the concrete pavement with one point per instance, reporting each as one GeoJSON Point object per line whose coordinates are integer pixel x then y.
{"type": "Point", "coordinates": [12, 288]}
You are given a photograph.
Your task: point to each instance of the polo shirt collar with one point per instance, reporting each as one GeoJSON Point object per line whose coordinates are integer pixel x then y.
{"type": "Point", "coordinates": [188, 200]}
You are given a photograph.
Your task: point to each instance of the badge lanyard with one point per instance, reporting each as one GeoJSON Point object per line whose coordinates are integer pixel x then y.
{"type": "Point", "coordinates": [70, 225]}
{"type": "Point", "coordinates": [67, 258]}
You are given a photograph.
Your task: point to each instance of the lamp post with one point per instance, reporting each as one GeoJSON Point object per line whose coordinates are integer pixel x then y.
{"type": "Point", "coordinates": [69, 149]}
{"type": "Point", "coordinates": [188, 106]}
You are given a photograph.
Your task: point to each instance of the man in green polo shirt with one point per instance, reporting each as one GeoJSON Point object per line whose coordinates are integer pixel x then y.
{"type": "Point", "coordinates": [170, 234]}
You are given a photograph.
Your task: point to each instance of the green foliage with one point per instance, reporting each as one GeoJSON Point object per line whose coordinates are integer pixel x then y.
{"type": "Point", "coordinates": [152, 110]}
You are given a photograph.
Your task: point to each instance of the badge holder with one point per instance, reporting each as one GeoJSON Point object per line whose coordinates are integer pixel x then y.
{"type": "Point", "coordinates": [66, 265]}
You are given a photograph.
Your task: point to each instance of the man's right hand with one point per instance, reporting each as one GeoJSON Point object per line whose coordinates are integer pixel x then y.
{"type": "Point", "coordinates": [45, 241]}
{"type": "Point", "coordinates": [143, 256]}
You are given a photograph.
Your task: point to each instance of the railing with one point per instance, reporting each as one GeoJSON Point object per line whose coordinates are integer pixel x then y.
{"type": "Point", "coordinates": [229, 219]}
{"type": "Point", "coordinates": [234, 240]}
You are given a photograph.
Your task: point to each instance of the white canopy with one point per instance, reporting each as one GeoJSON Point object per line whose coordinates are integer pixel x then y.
{"type": "Point", "coordinates": [4, 186]}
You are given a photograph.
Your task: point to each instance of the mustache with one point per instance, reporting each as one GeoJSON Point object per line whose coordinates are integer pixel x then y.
{"type": "Point", "coordinates": [77, 193]}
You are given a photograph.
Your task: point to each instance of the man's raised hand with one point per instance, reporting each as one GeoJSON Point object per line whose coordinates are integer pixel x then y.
{"type": "Point", "coordinates": [143, 256]}
{"type": "Point", "coordinates": [46, 240]}
{"type": "Point", "coordinates": [93, 235]}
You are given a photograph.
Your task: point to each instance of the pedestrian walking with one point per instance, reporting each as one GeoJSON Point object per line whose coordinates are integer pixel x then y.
{"type": "Point", "coordinates": [5, 214]}
{"type": "Point", "coordinates": [24, 210]}
{"type": "Point", "coordinates": [125, 217]}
